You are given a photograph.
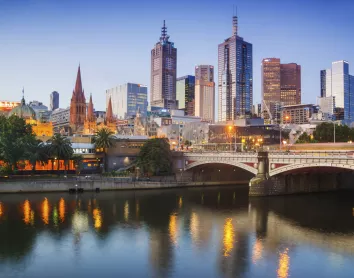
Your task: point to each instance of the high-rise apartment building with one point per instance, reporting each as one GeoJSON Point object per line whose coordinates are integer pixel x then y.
{"type": "Point", "coordinates": [54, 100]}
{"type": "Point", "coordinates": [281, 85]}
{"type": "Point", "coordinates": [290, 84]}
{"type": "Point", "coordinates": [340, 85]}
{"type": "Point", "coordinates": [185, 94]}
{"type": "Point", "coordinates": [163, 72]}
{"type": "Point", "coordinates": [235, 77]}
{"type": "Point", "coordinates": [323, 75]}
{"type": "Point", "coordinates": [205, 93]}
{"type": "Point", "coordinates": [126, 99]}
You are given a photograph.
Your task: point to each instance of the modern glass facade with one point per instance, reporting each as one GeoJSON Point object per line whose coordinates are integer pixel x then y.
{"type": "Point", "coordinates": [323, 75]}
{"type": "Point", "coordinates": [235, 77]}
{"type": "Point", "coordinates": [290, 84]}
{"type": "Point", "coordinates": [127, 98]}
{"type": "Point", "coordinates": [185, 94]}
{"type": "Point", "coordinates": [339, 84]}
{"type": "Point", "coordinates": [54, 100]}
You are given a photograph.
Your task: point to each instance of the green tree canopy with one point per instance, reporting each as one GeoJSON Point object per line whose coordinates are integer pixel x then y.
{"type": "Point", "coordinates": [59, 147]}
{"type": "Point", "coordinates": [155, 157]}
{"type": "Point", "coordinates": [103, 139]}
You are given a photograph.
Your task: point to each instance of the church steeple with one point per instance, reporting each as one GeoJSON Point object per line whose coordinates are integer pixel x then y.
{"type": "Point", "coordinates": [78, 104]}
{"type": "Point", "coordinates": [109, 112]}
{"type": "Point", "coordinates": [90, 110]}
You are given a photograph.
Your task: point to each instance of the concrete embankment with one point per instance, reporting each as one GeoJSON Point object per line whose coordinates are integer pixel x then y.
{"type": "Point", "coordinates": [93, 185]}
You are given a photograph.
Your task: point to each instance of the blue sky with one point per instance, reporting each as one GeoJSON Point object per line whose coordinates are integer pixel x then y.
{"type": "Point", "coordinates": [42, 42]}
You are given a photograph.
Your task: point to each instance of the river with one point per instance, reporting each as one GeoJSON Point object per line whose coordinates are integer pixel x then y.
{"type": "Point", "coordinates": [195, 232]}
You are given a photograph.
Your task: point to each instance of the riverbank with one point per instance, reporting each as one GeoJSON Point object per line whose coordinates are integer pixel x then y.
{"type": "Point", "coordinates": [62, 185]}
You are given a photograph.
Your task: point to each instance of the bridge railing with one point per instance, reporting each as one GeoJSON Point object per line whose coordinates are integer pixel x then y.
{"type": "Point", "coordinates": [327, 155]}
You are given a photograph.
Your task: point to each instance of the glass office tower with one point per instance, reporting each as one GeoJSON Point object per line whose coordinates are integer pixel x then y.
{"type": "Point", "coordinates": [127, 98]}
{"type": "Point", "coordinates": [235, 77]}
{"type": "Point", "coordinates": [185, 94]}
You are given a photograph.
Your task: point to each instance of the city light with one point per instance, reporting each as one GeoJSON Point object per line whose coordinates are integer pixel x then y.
{"type": "Point", "coordinates": [97, 218]}
{"type": "Point", "coordinates": [284, 261]}
{"type": "Point", "coordinates": [180, 202]}
{"type": "Point", "coordinates": [45, 211]}
{"type": "Point", "coordinates": [55, 216]}
{"type": "Point", "coordinates": [194, 227]}
{"type": "Point", "coordinates": [1, 210]}
{"type": "Point", "coordinates": [228, 237]}
{"type": "Point", "coordinates": [257, 251]}
{"type": "Point", "coordinates": [173, 229]}
{"type": "Point", "coordinates": [26, 207]}
{"type": "Point", "coordinates": [62, 210]}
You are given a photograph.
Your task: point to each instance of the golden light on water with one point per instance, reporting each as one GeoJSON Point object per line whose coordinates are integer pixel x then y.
{"type": "Point", "coordinates": [97, 218]}
{"type": "Point", "coordinates": [257, 251]}
{"type": "Point", "coordinates": [173, 229]}
{"type": "Point", "coordinates": [1, 210]}
{"type": "Point", "coordinates": [284, 261]}
{"type": "Point", "coordinates": [194, 227]}
{"type": "Point", "coordinates": [62, 210]}
{"type": "Point", "coordinates": [45, 211]}
{"type": "Point", "coordinates": [26, 212]}
{"type": "Point", "coordinates": [228, 237]}
{"type": "Point", "coordinates": [126, 211]}
{"type": "Point", "coordinates": [180, 202]}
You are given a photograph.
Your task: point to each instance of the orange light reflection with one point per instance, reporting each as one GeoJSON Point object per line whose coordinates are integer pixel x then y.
{"type": "Point", "coordinates": [45, 211]}
{"type": "Point", "coordinates": [284, 261]}
{"type": "Point", "coordinates": [229, 237]}
{"type": "Point", "coordinates": [97, 217]}
{"type": "Point", "coordinates": [62, 210]}
{"type": "Point", "coordinates": [172, 228]}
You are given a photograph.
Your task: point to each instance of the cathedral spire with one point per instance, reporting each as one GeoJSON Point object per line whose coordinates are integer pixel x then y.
{"type": "Point", "coordinates": [90, 113]}
{"type": "Point", "coordinates": [109, 112]}
{"type": "Point", "coordinates": [78, 85]}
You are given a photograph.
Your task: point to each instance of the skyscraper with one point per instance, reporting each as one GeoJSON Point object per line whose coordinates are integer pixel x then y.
{"type": "Point", "coordinates": [78, 104]}
{"type": "Point", "coordinates": [126, 99]}
{"type": "Point", "coordinates": [340, 85]}
{"type": "Point", "coordinates": [281, 86]}
{"type": "Point", "coordinates": [54, 100]}
{"type": "Point", "coordinates": [185, 94]}
{"type": "Point", "coordinates": [205, 93]}
{"type": "Point", "coordinates": [235, 77]}
{"type": "Point", "coordinates": [323, 75]}
{"type": "Point", "coordinates": [290, 84]}
{"type": "Point", "coordinates": [163, 72]}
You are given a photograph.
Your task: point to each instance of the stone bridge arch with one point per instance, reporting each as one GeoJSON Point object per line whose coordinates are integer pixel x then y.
{"type": "Point", "coordinates": [292, 167]}
{"type": "Point", "coordinates": [240, 165]}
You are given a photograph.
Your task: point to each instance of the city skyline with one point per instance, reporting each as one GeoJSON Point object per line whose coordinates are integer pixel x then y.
{"type": "Point", "coordinates": [51, 49]}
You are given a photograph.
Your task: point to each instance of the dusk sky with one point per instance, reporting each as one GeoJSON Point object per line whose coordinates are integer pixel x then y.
{"type": "Point", "coordinates": [43, 42]}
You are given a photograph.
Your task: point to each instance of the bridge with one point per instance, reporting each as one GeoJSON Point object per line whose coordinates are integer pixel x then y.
{"type": "Point", "coordinates": [272, 173]}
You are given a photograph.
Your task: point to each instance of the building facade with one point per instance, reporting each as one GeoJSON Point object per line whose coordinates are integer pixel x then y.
{"type": "Point", "coordinates": [54, 100]}
{"type": "Point", "coordinates": [235, 77]}
{"type": "Point", "coordinates": [185, 94]}
{"type": "Point", "coordinates": [163, 72]}
{"type": "Point", "coordinates": [290, 84]}
{"type": "Point", "coordinates": [205, 93]}
{"type": "Point", "coordinates": [298, 114]}
{"type": "Point", "coordinates": [327, 105]}
{"type": "Point", "coordinates": [60, 119]}
{"type": "Point", "coordinates": [127, 99]}
{"type": "Point", "coordinates": [339, 84]}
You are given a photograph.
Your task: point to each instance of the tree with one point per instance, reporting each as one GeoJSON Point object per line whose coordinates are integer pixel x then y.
{"type": "Point", "coordinates": [325, 133]}
{"type": "Point", "coordinates": [59, 147]}
{"type": "Point", "coordinates": [104, 140]}
{"type": "Point", "coordinates": [155, 157]}
{"type": "Point", "coordinates": [304, 138]}
{"type": "Point", "coordinates": [36, 152]}
{"type": "Point", "coordinates": [15, 137]}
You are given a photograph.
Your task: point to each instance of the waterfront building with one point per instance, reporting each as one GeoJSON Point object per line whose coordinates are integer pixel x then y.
{"type": "Point", "coordinates": [205, 93]}
{"type": "Point", "coordinates": [298, 114]}
{"type": "Point", "coordinates": [40, 128]}
{"type": "Point", "coordinates": [7, 106]}
{"type": "Point", "coordinates": [127, 98]}
{"type": "Point", "coordinates": [185, 94]}
{"type": "Point", "coordinates": [78, 105]}
{"type": "Point", "coordinates": [235, 77]}
{"type": "Point", "coordinates": [340, 84]}
{"type": "Point", "coordinates": [54, 100]}
{"type": "Point", "coordinates": [61, 120]}
{"type": "Point", "coordinates": [163, 72]}
{"type": "Point", "coordinates": [327, 105]}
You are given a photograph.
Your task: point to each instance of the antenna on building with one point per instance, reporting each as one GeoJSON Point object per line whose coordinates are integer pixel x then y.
{"type": "Point", "coordinates": [234, 23]}
{"type": "Point", "coordinates": [164, 37]}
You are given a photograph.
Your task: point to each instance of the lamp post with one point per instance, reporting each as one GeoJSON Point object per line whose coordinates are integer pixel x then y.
{"type": "Point", "coordinates": [280, 141]}
{"type": "Point", "coordinates": [230, 129]}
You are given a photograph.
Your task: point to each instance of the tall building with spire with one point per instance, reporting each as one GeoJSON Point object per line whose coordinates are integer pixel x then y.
{"type": "Point", "coordinates": [235, 77]}
{"type": "Point", "coordinates": [163, 72]}
{"type": "Point", "coordinates": [90, 125]}
{"type": "Point", "coordinates": [78, 105]}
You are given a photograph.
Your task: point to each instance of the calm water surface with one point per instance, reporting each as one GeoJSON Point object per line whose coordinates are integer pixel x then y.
{"type": "Point", "coordinates": [214, 232]}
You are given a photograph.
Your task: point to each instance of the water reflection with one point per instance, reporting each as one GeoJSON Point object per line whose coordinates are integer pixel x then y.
{"type": "Point", "coordinates": [284, 260]}
{"type": "Point", "coordinates": [229, 237]}
{"type": "Point", "coordinates": [173, 229]}
{"type": "Point", "coordinates": [45, 211]}
{"type": "Point", "coordinates": [239, 237]}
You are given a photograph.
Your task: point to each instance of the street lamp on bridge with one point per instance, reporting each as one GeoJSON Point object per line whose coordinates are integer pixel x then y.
{"type": "Point", "coordinates": [230, 130]}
